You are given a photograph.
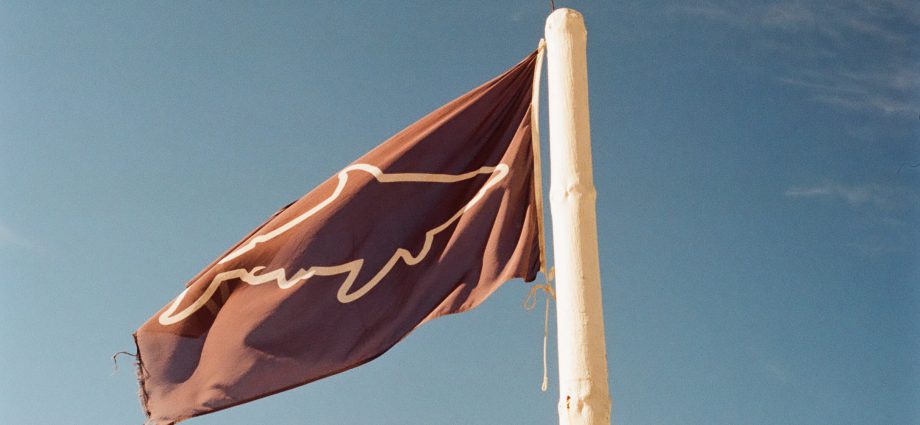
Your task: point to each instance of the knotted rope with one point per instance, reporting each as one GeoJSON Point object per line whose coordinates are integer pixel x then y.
{"type": "Point", "coordinates": [531, 302]}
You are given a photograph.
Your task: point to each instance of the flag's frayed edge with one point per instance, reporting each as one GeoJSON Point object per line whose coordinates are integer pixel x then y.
{"type": "Point", "coordinates": [141, 387]}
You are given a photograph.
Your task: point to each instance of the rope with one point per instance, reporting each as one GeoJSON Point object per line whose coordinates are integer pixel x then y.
{"type": "Point", "coordinates": [530, 303]}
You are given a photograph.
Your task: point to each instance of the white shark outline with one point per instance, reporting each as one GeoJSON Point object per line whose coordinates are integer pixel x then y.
{"type": "Point", "coordinates": [351, 268]}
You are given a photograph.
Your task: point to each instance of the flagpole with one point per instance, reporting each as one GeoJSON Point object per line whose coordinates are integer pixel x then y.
{"type": "Point", "coordinates": [584, 398]}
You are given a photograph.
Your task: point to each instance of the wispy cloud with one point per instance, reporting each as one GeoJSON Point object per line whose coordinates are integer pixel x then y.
{"type": "Point", "coordinates": [890, 210]}
{"type": "Point", "coordinates": [892, 91]}
{"type": "Point", "coordinates": [785, 16]}
{"type": "Point", "coordinates": [873, 249]}
{"type": "Point", "coordinates": [773, 368]}
{"type": "Point", "coordinates": [9, 238]}
{"type": "Point", "coordinates": [838, 19]}
{"type": "Point", "coordinates": [709, 11]}
{"type": "Point", "coordinates": [874, 30]}
{"type": "Point", "coordinates": [894, 79]}
{"type": "Point", "coordinates": [801, 35]}
{"type": "Point", "coordinates": [881, 196]}
{"type": "Point", "coordinates": [788, 16]}
{"type": "Point", "coordinates": [887, 105]}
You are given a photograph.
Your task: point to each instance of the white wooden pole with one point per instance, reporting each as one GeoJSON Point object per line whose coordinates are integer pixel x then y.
{"type": "Point", "coordinates": [584, 398]}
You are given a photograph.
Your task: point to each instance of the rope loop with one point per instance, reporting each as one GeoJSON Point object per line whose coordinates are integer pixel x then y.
{"type": "Point", "coordinates": [530, 302]}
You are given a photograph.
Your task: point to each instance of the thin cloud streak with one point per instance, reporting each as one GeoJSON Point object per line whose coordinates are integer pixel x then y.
{"type": "Point", "coordinates": [887, 105]}
{"type": "Point", "coordinates": [881, 196]}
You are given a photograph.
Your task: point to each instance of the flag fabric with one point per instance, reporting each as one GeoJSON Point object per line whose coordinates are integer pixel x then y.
{"type": "Point", "coordinates": [429, 223]}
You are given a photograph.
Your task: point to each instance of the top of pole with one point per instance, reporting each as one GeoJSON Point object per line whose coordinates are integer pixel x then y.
{"type": "Point", "coordinates": [566, 20]}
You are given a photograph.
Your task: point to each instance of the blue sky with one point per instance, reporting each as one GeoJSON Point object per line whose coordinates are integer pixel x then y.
{"type": "Point", "coordinates": [757, 167]}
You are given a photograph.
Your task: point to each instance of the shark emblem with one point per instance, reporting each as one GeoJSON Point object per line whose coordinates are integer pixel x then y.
{"type": "Point", "coordinates": [351, 269]}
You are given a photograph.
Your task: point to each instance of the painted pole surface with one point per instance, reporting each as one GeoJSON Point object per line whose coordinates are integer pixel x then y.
{"type": "Point", "coordinates": [584, 398]}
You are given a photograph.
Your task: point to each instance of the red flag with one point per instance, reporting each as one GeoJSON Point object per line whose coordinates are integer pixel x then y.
{"type": "Point", "coordinates": [429, 223]}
